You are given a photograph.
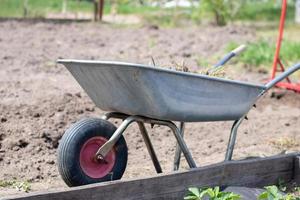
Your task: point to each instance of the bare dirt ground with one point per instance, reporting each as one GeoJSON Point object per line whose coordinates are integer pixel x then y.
{"type": "Point", "coordinates": [39, 99]}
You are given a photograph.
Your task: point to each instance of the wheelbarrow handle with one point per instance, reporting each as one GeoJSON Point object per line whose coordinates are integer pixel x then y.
{"type": "Point", "coordinates": [282, 76]}
{"type": "Point", "coordinates": [230, 55]}
{"type": "Point", "coordinates": [227, 57]}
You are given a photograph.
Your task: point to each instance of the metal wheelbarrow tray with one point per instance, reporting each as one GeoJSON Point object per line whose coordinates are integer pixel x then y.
{"type": "Point", "coordinates": [94, 150]}
{"type": "Point", "coordinates": [162, 93]}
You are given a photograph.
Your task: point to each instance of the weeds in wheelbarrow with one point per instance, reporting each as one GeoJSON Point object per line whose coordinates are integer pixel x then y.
{"type": "Point", "coordinates": [220, 72]}
{"type": "Point", "coordinates": [181, 66]}
{"type": "Point", "coordinates": [216, 70]}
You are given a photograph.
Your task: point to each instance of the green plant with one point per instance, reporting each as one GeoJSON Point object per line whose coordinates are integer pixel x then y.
{"type": "Point", "coordinates": [282, 186]}
{"type": "Point", "coordinates": [273, 193]}
{"type": "Point", "coordinates": [297, 189]}
{"type": "Point", "coordinates": [219, 10]}
{"type": "Point", "coordinates": [19, 185]}
{"type": "Point", "coordinates": [210, 194]}
{"type": "Point", "coordinates": [222, 10]}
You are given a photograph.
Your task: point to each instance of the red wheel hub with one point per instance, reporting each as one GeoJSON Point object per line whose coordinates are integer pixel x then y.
{"type": "Point", "coordinates": [92, 167]}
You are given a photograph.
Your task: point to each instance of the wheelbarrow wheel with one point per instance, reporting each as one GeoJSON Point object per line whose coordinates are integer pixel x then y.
{"type": "Point", "coordinates": [76, 153]}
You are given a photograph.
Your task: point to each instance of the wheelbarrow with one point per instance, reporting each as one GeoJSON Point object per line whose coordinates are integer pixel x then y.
{"type": "Point", "coordinates": [94, 150]}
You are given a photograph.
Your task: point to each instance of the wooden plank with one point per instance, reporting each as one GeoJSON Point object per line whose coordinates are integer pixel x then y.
{"type": "Point", "coordinates": [251, 173]}
{"type": "Point", "coordinates": [297, 170]}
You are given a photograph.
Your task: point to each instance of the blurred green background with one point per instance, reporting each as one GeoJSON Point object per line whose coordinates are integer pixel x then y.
{"type": "Point", "coordinates": [159, 11]}
{"type": "Point", "coordinates": [261, 15]}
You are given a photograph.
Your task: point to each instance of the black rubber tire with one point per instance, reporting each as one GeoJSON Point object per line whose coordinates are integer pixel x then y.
{"type": "Point", "coordinates": [71, 144]}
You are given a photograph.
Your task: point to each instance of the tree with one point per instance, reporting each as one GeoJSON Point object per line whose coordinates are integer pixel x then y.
{"type": "Point", "coordinates": [222, 10]}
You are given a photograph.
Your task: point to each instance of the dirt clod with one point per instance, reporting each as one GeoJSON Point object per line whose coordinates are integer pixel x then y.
{"type": "Point", "coordinates": [50, 162]}
{"type": "Point", "coordinates": [22, 143]}
{"type": "Point", "coordinates": [36, 115]}
{"type": "Point", "coordinates": [78, 94]}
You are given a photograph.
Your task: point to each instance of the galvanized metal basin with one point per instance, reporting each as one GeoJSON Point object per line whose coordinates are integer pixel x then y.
{"type": "Point", "coordinates": [162, 93]}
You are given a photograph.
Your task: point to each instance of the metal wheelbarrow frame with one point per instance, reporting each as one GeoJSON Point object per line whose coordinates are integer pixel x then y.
{"type": "Point", "coordinates": [76, 67]}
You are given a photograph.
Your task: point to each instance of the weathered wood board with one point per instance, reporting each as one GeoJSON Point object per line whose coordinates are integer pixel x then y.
{"type": "Point", "coordinates": [252, 173]}
{"type": "Point", "coordinates": [297, 170]}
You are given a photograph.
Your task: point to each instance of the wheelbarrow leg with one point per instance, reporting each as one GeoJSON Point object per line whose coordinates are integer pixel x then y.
{"type": "Point", "coordinates": [232, 139]}
{"type": "Point", "coordinates": [178, 150]}
{"type": "Point", "coordinates": [149, 147]}
{"type": "Point", "coordinates": [182, 145]}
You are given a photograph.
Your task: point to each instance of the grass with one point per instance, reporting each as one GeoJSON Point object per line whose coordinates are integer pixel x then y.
{"type": "Point", "coordinates": [39, 8]}
{"type": "Point", "coordinates": [264, 11]}
{"type": "Point", "coordinates": [19, 185]}
{"type": "Point", "coordinates": [285, 142]}
{"type": "Point", "coordinates": [291, 32]}
{"type": "Point", "coordinates": [262, 52]}
{"type": "Point", "coordinates": [128, 8]}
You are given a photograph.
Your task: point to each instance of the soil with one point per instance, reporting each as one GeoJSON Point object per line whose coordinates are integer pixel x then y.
{"type": "Point", "coordinates": [39, 99]}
